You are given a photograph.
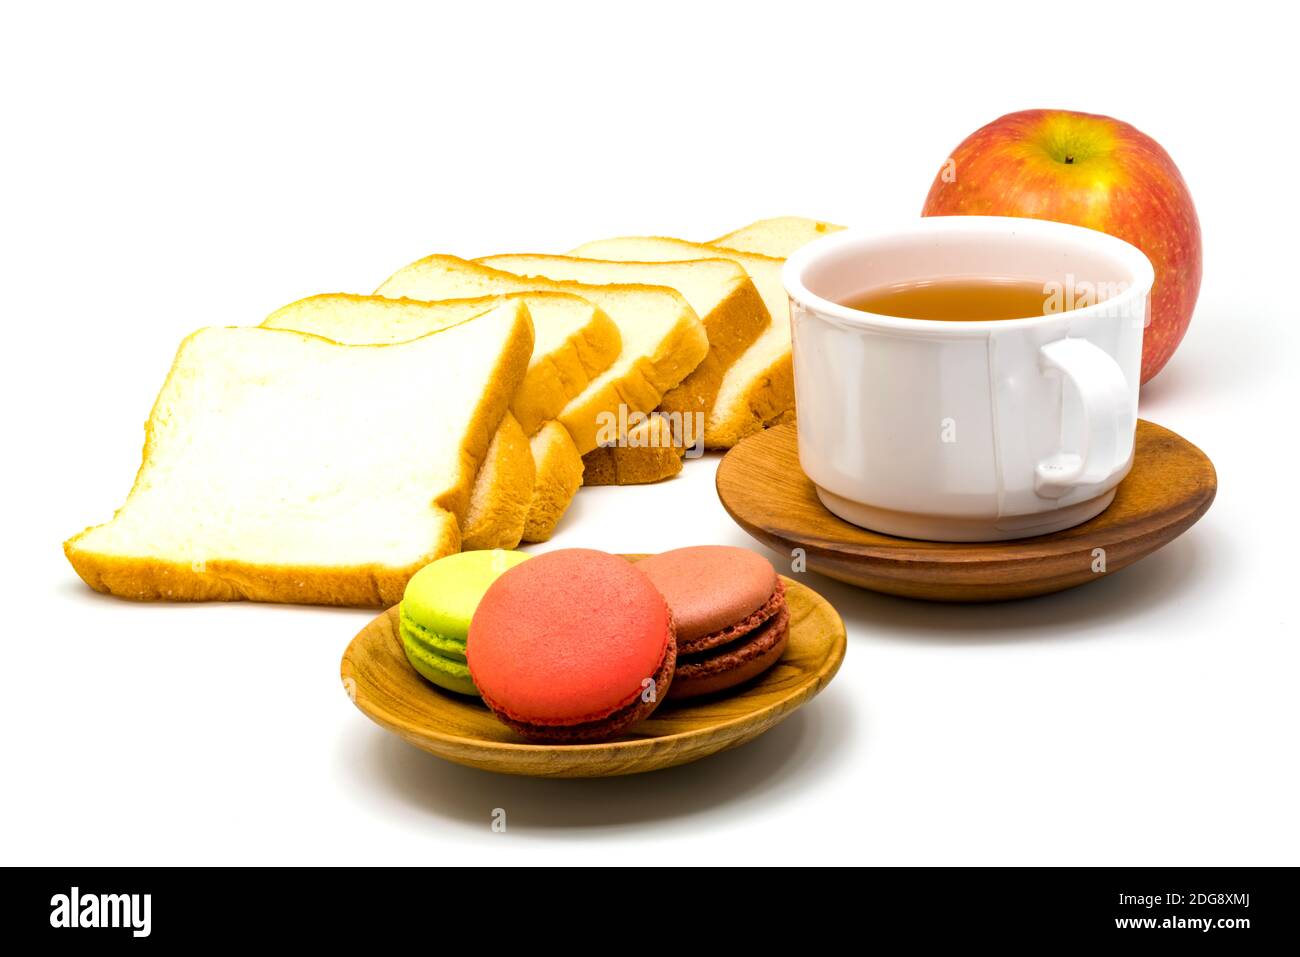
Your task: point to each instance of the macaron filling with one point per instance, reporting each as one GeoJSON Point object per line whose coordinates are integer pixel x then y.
{"type": "Point", "coordinates": [599, 728]}
{"type": "Point", "coordinates": [443, 670]}
{"type": "Point", "coordinates": [428, 638]}
{"type": "Point", "coordinates": [753, 645]}
{"type": "Point", "coordinates": [769, 609]}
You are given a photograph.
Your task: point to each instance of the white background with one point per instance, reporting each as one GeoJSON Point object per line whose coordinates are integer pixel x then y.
{"type": "Point", "coordinates": [164, 170]}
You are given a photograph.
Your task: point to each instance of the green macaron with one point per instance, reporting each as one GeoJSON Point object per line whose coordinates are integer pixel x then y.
{"type": "Point", "coordinates": [436, 609]}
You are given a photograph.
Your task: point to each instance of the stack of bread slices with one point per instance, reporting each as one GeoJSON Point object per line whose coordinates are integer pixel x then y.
{"type": "Point", "coordinates": [329, 453]}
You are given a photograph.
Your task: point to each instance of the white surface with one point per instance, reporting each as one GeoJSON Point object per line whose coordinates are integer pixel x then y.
{"type": "Point", "coordinates": [163, 170]}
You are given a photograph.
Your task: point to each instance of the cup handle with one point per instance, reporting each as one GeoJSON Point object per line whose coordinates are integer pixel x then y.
{"type": "Point", "coordinates": [1107, 413]}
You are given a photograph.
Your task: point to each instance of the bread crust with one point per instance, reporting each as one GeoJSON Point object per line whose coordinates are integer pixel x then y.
{"type": "Point", "coordinates": [645, 383]}
{"type": "Point", "coordinates": [732, 327]}
{"type": "Point", "coordinates": [769, 392]}
{"type": "Point", "coordinates": [649, 457]}
{"type": "Point", "coordinates": [559, 476]}
{"type": "Point", "coordinates": [733, 313]}
{"type": "Point", "coordinates": [777, 237]}
{"type": "Point", "coordinates": [502, 491]}
{"type": "Point", "coordinates": [154, 579]}
{"type": "Point", "coordinates": [768, 399]}
{"type": "Point", "coordinates": [553, 383]}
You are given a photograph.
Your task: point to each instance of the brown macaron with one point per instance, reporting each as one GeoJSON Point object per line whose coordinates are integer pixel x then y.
{"type": "Point", "coordinates": [729, 611]}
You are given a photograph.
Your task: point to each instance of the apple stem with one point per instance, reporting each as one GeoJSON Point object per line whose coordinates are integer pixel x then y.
{"type": "Point", "coordinates": [1069, 159]}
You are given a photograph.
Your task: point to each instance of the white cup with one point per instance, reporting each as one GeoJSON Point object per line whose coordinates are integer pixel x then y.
{"type": "Point", "coordinates": [968, 431]}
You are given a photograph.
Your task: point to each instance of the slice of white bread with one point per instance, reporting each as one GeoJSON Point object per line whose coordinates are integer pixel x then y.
{"type": "Point", "coordinates": [559, 475]}
{"type": "Point", "coordinates": [663, 339]}
{"type": "Point", "coordinates": [503, 491]}
{"type": "Point", "coordinates": [503, 488]}
{"type": "Point", "coordinates": [758, 389]}
{"type": "Point", "coordinates": [574, 342]}
{"type": "Point", "coordinates": [777, 237]}
{"type": "Point", "coordinates": [280, 466]}
{"type": "Point", "coordinates": [719, 290]}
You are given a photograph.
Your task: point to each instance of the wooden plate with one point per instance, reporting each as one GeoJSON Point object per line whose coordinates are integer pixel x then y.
{"type": "Point", "coordinates": [388, 690]}
{"type": "Point", "coordinates": [1170, 486]}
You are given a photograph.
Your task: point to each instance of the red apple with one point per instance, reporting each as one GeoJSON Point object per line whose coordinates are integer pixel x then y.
{"type": "Point", "coordinates": [1092, 171]}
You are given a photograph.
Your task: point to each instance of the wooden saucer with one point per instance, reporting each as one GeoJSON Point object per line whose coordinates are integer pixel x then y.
{"type": "Point", "coordinates": [1170, 486]}
{"type": "Point", "coordinates": [388, 690]}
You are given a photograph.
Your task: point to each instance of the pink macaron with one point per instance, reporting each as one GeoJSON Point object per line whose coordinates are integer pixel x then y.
{"type": "Point", "coordinates": [729, 611]}
{"type": "Point", "coordinates": [572, 646]}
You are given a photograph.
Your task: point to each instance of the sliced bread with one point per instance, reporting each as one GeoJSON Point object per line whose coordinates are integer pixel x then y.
{"type": "Point", "coordinates": [778, 237]}
{"type": "Point", "coordinates": [663, 339]}
{"type": "Point", "coordinates": [281, 466]}
{"type": "Point", "coordinates": [719, 290]}
{"type": "Point", "coordinates": [498, 505]}
{"type": "Point", "coordinates": [758, 389]}
{"type": "Point", "coordinates": [576, 341]}
{"type": "Point", "coordinates": [503, 491]}
{"type": "Point", "coordinates": [559, 475]}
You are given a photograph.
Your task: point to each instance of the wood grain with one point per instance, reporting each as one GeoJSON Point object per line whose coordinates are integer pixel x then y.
{"type": "Point", "coordinates": [388, 690]}
{"type": "Point", "coordinates": [1170, 486]}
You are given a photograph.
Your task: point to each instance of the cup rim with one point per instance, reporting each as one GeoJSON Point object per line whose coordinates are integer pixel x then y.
{"type": "Point", "coordinates": [1126, 254]}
